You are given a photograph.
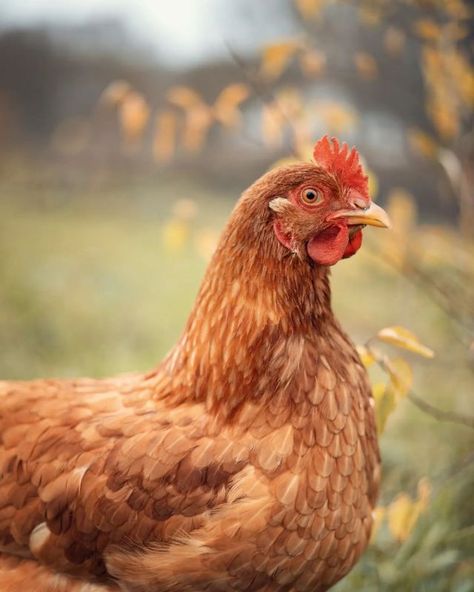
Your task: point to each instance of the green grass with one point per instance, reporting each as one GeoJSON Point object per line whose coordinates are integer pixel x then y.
{"type": "Point", "coordinates": [88, 287]}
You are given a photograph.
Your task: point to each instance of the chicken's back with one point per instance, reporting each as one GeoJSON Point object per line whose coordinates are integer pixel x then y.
{"type": "Point", "coordinates": [55, 436]}
{"type": "Point", "coordinates": [17, 573]}
{"type": "Point", "coordinates": [89, 467]}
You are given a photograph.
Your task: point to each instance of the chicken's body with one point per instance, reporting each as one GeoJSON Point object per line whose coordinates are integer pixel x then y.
{"type": "Point", "coordinates": [247, 460]}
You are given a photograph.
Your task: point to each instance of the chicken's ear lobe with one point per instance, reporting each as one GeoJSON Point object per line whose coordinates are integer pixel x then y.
{"type": "Point", "coordinates": [279, 205]}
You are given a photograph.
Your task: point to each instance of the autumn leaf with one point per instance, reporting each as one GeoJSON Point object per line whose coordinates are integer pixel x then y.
{"type": "Point", "coordinates": [164, 142]}
{"type": "Point", "coordinates": [385, 404]}
{"type": "Point", "coordinates": [134, 114]}
{"type": "Point", "coordinates": [366, 65]}
{"type": "Point", "coordinates": [455, 31]}
{"type": "Point", "coordinates": [457, 9]}
{"type": "Point", "coordinates": [427, 29]}
{"type": "Point", "coordinates": [370, 13]}
{"type": "Point", "coordinates": [185, 209]}
{"type": "Point", "coordinates": [227, 103]}
{"type": "Point", "coordinates": [373, 183]}
{"type": "Point", "coordinates": [175, 234]}
{"type": "Point", "coordinates": [462, 76]}
{"type": "Point", "coordinates": [404, 339]}
{"type": "Point", "coordinates": [273, 122]}
{"type": "Point", "coordinates": [365, 355]}
{"type": "Point", "coordinates": [310, 9]}
{"type": "Point", "coordinates": [184, 97]}
{"type": "Point", "coordinates": [403, 513]}
{"type": "Point", "coordinates": [197, 124]}
{"type": "Point", "coordinates": [422, 143]}
{"type": "Point", "coordinates": [276, 58]}
{"type": "Point", "coordinates": [398, 245]}
{"type": "Point", "coordinates": [401, 376]}
{"type": "Point", "coordinates": [337, 117]}
{"type": "Point", "coordinates": [312, 62]}
{"type": "Point", "coordinates": [402, 209]}
{"type": "Point", "coordinates": [394, 41]}
{"type": "Point", "coordinates": [115, 93]}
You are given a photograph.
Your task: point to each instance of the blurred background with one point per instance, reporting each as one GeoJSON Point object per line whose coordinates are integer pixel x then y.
{"type": "Point", "coordinates": [127, 132]}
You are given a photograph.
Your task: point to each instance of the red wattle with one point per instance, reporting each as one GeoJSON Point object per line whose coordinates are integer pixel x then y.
{"type": "Point", "coordinates": [329, 246]}
{"type": "Point", "coordinates": [354, 244]}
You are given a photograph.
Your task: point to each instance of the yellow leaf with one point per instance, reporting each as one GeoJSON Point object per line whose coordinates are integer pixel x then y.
{"type": "Point", "coordinates": [312, 62]}
{"type": "Point", "coordinates": [366, 65]}
{"type": "Point", "coordinates": [402, 209]}
{"type": "Point", "coordinates": [427, 29]}
{"type": "Point", "coordinates": [365, 356]}
{"type": "Point", "coordinates": [370, 14]}
{"type": "Point", "coordinates": [373, 183]}
{"type": "Point", "coordinates": [272, 125]}
{"type": "Point", "coordinates": [461, 75]}
{"type": "Point", "coordinates": [402, 516]}
{"type": "Point", "coordinates": [401, 376]}
{"type": "Point", "coordinates": [290, 102]}
{"type": "Point", "coordinates": [424, 493]}
{"type": "Point", "coordinates": [422, 143]}
{"type": "Point", "coordinates": [310, 9]}
{"type": "Point", "coordinates": [134, 114]}
{"type": "Point", "coordinates": [385, 404]}
{"type": "Point", "coordinates": [175, 234]}
{"type": "Point", "coordinates": [227, 103]}
{"type": "Point", "coordinates": [115, 93]}
{"type": "Point", "coordinates": [276, 57]}
{"type": "Point", "coordinates": [394, 41]}
{"type": "Point", "coordinates": [455, 31]}
{"type": "Point", "coordinates": [184, 97]}
{"type": "Point", "coordinates": [185, 209]}
{"type": "Point", "coordinates": [403, 513]}
{"type": "Point", "coordinates": [405, 339]}
{"type": "Point", "coordinates": [164, 142]}
{"type": "Point", "coordinates": [337, 117]}
{"type": "Point", "coordinates": [457, 9]}
{"type": "Point", "coordinates": [198, 121]}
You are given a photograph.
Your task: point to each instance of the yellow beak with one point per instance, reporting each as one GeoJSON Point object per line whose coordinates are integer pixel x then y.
{"type": "Point", "coordinates": [374, 215]}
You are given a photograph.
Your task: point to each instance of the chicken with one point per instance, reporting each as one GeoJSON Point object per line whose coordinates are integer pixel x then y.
{"type": "Point", "coordinates": [248, 459]}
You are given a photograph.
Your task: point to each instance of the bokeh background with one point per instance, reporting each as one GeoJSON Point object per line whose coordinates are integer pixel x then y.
{"type": "Point", "coordinates": [129, 129]}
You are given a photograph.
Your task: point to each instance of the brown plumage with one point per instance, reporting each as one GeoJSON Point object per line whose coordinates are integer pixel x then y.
{"type": "Point", "coordinates": [247, 460]}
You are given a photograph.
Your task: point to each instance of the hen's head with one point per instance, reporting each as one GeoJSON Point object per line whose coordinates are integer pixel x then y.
{"type": "Point", "coordinates": [319, 210]}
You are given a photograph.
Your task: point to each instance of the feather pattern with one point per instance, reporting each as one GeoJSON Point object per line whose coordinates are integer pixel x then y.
{"type": "Point", "coordinates": [247, 460]}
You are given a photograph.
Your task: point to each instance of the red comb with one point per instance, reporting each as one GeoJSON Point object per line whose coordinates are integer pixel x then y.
{"type": "Point", "coordinates": [341, 162]}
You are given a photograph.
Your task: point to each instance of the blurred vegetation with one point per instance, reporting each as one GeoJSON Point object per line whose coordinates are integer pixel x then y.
{"type": "Point", "coordinates": [105, 234]}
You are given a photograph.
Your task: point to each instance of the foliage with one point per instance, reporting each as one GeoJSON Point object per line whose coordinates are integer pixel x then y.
{"type": "Point", "coordinates": [424, 526]}
{"type": "Point", "coordinates": [436, 31]}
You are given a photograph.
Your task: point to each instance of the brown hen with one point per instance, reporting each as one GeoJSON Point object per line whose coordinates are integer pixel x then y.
{"type": "Point", "coordinates": [248, 459]}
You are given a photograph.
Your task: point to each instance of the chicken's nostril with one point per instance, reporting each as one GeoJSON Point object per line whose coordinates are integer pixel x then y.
{"type": "Point", "coordinates": [358, 202]}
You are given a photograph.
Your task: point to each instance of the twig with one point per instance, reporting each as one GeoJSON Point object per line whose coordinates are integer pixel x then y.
{"type": "Point", "coordinates": [439, 414]}
{"type": "Point", "coordinates": [427, 408]}
{"type": "Point", "coordinates": [262, 93]}
{"type": "Point", "coordinates": [419, 280]}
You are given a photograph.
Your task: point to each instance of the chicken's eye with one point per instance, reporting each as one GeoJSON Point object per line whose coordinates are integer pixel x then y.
{"type": "Point", "coordinates": [311, 196]}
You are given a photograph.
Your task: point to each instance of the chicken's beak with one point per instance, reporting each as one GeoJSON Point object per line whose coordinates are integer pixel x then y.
{"type": "Point", "coordinates": [374, 215]}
